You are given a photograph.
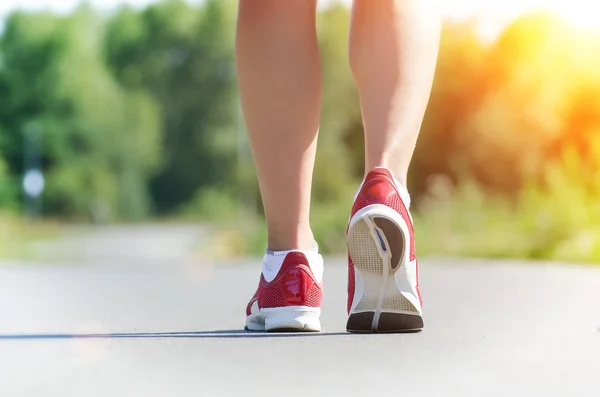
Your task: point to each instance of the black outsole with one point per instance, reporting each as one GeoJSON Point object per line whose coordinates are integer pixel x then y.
{"type": "Point", "coordinates": [396, 322]}
{"type": "Point", "coordinates": [360, 322]}
{"type": "Point", "coordinates": [388, 323]}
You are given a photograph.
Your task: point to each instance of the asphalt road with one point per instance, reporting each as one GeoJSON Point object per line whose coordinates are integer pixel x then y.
{"type": "Point", "coordinates": [174, 329]}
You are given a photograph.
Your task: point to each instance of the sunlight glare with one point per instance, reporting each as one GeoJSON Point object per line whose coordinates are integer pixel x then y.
{"type": "Point", "coordinates": [579, 14]}
{"type": "Point", "coordinates": [494, 15]}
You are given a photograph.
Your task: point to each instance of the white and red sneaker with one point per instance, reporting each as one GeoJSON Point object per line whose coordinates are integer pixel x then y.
{"type": "Point", "coordinates": [383, 287]}
{"type": "Point", "coordinates": [289, 293]}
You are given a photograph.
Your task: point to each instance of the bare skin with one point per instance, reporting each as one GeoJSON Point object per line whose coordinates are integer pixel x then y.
{"type": "Point", "coordinates": [393, 52]}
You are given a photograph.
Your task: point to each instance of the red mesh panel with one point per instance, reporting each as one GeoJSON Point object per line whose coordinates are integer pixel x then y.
{"type": "Point", "coordinates": [272, 296]}
{"type": "Point", "coordinates": [293, 286]}
{"type": "Point", "coordinates": [360, 203]}
{"type": "Point", "coordinates": [351, 282]}
{"type": "Point", "coordinates": [418, 289]}
{"type": "Point", "coordinates": [314, 296]}
{"type": "Point", "coordinates": [249, 307]}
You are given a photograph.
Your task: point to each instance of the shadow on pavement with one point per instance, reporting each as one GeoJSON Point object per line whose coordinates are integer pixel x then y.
{"type": "Point", "coordinates": [182, 334]}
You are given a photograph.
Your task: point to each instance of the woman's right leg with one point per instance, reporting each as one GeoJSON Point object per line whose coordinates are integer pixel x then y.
{"type": "Point", "coordinates": [393, 51]}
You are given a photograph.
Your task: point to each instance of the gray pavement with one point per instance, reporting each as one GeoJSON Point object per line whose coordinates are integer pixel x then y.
{"type": "Point", "coordinates": [173, 328]}
{"type": "Point", "coordinates": [144, 244]}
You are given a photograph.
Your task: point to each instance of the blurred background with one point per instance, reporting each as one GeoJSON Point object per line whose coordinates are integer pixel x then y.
{"type": "Point", "coordinates": [121, 133]}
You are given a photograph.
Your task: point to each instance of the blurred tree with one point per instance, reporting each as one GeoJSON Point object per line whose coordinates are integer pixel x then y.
{"type": "Point", "coordinates": [340, 155]}
{"type": "Point", "coordinates": [7, 188]}
{"type": "Point", "coordinates": [459, 84]}
{"type": "Point", "coordinates": [137, 114]}
{"type": "Point", "coordinates": [520, 111]}
{"type": "Point", "coordinates": [98, 143]}
{"type": "Point", "coordinates": [183, 56]}
{"type": "Point", "coordinates": [501, 114]}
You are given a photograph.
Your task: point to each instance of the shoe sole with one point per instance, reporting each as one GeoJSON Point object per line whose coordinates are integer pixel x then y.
{"type": "Point", "coordinates": [285, 319]}
{"type": "Point", "coordinates": [376, 242]}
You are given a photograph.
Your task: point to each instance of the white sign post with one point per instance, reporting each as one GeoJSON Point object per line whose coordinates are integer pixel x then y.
{"type": "Point", "coordinates": [33, 187]}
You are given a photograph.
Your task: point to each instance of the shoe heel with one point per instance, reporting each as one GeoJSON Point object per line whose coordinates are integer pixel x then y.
{"type": "Point", "coordinates": [376, 245]}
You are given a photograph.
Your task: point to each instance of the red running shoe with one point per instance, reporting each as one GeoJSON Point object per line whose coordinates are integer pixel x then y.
{"type": "Point", "coordinates": [383, 286]}
{"type": "Point", "coordinates": [289, 296]}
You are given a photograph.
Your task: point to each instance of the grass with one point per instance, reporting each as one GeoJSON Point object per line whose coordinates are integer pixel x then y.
{"type": "Point", "coordinates": [17, 234]}
{"type": "Point", "coordinates": [247, 235]}
{"type": "Point", "coordinates": [557, 221]}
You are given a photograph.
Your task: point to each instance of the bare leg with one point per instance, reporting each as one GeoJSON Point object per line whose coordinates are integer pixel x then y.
{"type": "Point", "coordinates": [280, 85]}
{"type": "Point", "coordinates": [393, 52]}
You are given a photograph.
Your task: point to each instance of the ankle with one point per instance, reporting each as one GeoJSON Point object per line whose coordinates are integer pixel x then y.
{"type": "Point", "coordinates": [398, 171]}
{"type": "Point", "coordinates": [400, 177]}
{"type": "Point", "coordinates": [291, 241]}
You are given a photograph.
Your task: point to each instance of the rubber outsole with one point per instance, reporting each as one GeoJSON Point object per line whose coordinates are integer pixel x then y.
{"type": "Point", "coordinates": [377, 247]}
{"type": "Point", "coordinates": [387, 323]}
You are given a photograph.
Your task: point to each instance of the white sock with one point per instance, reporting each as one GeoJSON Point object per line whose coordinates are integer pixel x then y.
{"type": "Point", "coordinates": [273, 260]}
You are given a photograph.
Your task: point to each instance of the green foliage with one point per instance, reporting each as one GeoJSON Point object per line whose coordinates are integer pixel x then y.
{"type": "Point", "coordinates": [7, 190]}
{"type": "Point", "coordinates": [508, 163]}
{"type": "Point", "coordinates": [183, 57]}
{"type": "Point", "coordinates": [211, 204]}
{"type": "Point", "coordinates": [135, 115]}
{"type": "Point", "coordinates": [97, 142]}
{"type": "Point", "coordinates": [558, 220]}
{"type": "Point", "coordinates": [17, 235]}
{"type": "Point", "coordinates": [339, 160]}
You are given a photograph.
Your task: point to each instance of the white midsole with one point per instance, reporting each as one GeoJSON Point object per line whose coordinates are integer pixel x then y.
{"type": "Point", "coordinates": [302, 318]}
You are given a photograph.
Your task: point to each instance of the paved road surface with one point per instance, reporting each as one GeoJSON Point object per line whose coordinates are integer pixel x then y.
{"type": "Point", "coordinates": [142, 244]}
{"type": "Point", "coordinates": [173, 329]}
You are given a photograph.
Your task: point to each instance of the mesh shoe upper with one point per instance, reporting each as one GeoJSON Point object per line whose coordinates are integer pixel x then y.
{"type": "Point", "coordinates": [294, 285]}
{"type": "Point", "coordinates": [379, 188]}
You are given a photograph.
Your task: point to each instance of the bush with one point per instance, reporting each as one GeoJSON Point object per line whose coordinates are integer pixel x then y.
{"type": "Point", "coordinates": [16, 235]}
{"type": "Point", "coordinates": [556, 220]}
